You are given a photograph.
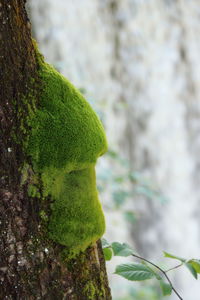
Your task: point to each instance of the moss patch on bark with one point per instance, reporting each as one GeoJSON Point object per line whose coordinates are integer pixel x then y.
{"type": "Point", "coordinates": [66, 138]}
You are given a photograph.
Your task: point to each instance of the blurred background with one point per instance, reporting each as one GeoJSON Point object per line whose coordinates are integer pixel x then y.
{"type": "Point", "coordinates": [138, 64]}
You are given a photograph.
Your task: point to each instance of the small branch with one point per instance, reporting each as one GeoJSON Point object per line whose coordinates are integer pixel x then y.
{"type": "Point", "coordinates": [176, 267]}
{"type": "Point", "coordinates": [162, 271]}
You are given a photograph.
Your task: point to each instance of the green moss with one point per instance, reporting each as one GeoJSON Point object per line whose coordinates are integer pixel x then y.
{"type": "Point", "coordinates": [77, 219]}
{"type": "Point", "coordinates": [102, 280]}
{"type": "Point", "coordinates": [66, 132]}
{"type": "Point", "coordinates": [65, 141]}
{"type": "Point", "coordinates": [24, 173]}
{"type": "Point", "coordinates": [33, 191]}
{"type": "Point", "coordinates": [89, 291]}
{"type": "Point", "coordinates": [43, 216]}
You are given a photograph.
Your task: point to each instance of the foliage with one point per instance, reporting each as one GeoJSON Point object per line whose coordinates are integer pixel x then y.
{"type": "Point", "coordinates": [143, 292]}
{"type": "Point", "coordinates": [148, 270]}
{"type": "Point", "coordinates": [124, 185]}
{"type": "Point", "coordinates": [134, 272]}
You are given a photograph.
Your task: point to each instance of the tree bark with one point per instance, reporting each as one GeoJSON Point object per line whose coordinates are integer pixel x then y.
{"type": "Point", "coordinates": [31, 266]}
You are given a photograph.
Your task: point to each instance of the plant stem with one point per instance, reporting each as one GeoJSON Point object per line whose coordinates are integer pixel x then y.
{"type": "Point", "coordinates": [176, 267]}
{"type": "Point", "coordinates": [162, 271]}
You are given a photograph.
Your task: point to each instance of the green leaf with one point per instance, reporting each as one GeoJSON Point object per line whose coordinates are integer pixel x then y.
{"type": "Point", "coordinates": [134, 272]}
{"type": "Point", "coordinates": [107, 253]}
{"type": "Point", "coordinates": [196, 264]}
{"type": "Point", "coordinates": [119, 179]}
{"type": "Point", "coordinates": [112, 153]}
{"type": "Point", "coordinates": [191, 269]}
{"type": "Point", "coordinates": [145, 191]}
{"type": "Point", "coordinates": [105, 243]}
{"type": "Point", "coordinates": [120, 196]}
{"type": "Point", "coordinates": [130, 217]}
{"type": "Point", "coordinates": [135, 176]}
{"type": "Point", "coordinates": [166, 288]}
{"type": "Point", "coordinates": [173, 256]}
{"type": "Point", "coordinates": [121, 249]}
{"type": "Point", "coordinates": [158, 277]}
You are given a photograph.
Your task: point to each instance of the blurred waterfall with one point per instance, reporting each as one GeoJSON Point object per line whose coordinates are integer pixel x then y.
{"type": "Point", "coordinates": [140, 60]}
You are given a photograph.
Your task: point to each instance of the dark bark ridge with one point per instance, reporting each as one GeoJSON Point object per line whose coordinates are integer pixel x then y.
{"type": "Point", "coordinates": [31, 266]}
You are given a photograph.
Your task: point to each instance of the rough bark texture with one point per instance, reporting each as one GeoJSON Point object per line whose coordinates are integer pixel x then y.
{"type": "Point", "coordinates": [31, 266]}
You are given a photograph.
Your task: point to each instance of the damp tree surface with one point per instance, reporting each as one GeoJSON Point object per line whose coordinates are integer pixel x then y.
{"type": "Point", "coordinates": [33, 265]}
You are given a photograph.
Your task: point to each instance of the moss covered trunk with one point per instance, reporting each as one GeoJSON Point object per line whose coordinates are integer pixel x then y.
{"type": "Point", "coordinates": [31, 265]}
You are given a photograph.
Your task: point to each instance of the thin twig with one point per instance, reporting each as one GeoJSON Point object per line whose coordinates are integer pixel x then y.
{"type": "Point", "coordinates": [162, 271]}
{"type": "Point", "coordinates": [176, 267]}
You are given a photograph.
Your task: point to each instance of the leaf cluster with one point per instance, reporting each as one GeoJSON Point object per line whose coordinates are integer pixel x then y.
{"type": "Point", "coordinates": [146, 270]}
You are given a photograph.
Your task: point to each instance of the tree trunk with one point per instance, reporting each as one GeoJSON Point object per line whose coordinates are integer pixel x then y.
{"type": "Point", "coordinates": [31, 266]}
